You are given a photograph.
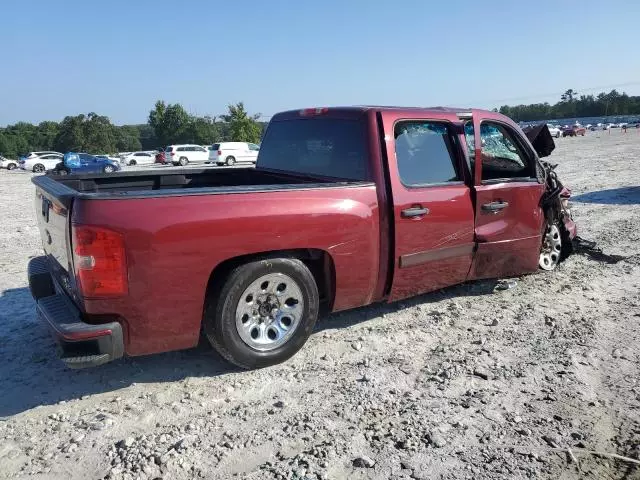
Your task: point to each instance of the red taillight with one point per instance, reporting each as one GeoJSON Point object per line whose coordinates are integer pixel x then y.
{"type": "Point", "coordinates": [219, 153]}
{"type": "Point", "coordinates": [99, 261]}
{"type": "Point", "coordinates": [172, 154]}
{"type": "Point", "coordinates": [307, 112]}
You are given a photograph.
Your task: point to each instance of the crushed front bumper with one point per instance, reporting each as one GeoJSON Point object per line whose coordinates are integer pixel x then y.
{"type": "Point", "coordinates": [80, 344]}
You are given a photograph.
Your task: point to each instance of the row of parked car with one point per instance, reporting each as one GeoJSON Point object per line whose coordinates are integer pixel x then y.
{"type": "Point", "coordinates": [224, 153]}
{"type": "Point", "coordinates": [40, 162]}
{"type": "Point", "coordinates": [577, 129]}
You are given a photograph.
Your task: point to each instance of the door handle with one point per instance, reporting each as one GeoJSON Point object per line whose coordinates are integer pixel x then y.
{"type": "Point", "coordinates": [415, 212]}
{"type": "Point", "coordinates": [494, 207]}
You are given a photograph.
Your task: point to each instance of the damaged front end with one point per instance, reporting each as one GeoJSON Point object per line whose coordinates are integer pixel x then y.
{"type": "Point", "coordinates": [555, 203]}
{"type": "Point", "coordinates": [561, 230]}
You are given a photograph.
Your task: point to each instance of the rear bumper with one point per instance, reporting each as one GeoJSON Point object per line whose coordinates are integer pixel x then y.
{"type": "Point", "coordinates": [80, 344]}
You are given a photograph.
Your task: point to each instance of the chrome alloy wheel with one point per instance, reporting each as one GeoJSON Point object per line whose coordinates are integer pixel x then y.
{"type": "Point", "coordinates": [269, 311]}
{"type": "Point", "coordinates": [551, 248]}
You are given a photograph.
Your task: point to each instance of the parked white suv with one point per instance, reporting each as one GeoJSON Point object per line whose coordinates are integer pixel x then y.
{"type": "Point", "coordinates": [184, 154]}
{"type": "Point", "coordinates": [138, 158]}
{"type": "Point", "coordinates": [230, 153]}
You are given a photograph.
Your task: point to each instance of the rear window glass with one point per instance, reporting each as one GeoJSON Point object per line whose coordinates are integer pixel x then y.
{"type": "Point", "coordinates": [168, 149]}
{"type": "Point", "coordinates": [321, 146]}
{"type": "Point", "coordinates": [215, 146]}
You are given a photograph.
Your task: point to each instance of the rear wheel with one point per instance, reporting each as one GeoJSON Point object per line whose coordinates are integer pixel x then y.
{"type": "Point", "coordinates": [108, 169]}
{"type": "Point", "coordinates": [132, 163]}
{"type": "Point", "coordinates": [38, 168]}
{"type": "Point", "coordinates": [183, 161]}
{"type": "Point", "coordinates": [551, 251]}
{"type": "Point", "coordinates": [230, 161]}
{"type": "Point", "coordinates": [63, 171]}
{"type": "Point", "coordinates": [263, 313]}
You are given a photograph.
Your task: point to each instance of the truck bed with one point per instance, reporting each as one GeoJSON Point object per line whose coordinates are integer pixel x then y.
{"type": "Point", "coordinates": [180, 182]}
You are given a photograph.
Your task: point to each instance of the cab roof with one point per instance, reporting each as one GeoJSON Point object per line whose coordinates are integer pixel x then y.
{"type": "Point", "coordinates": [356, 110]}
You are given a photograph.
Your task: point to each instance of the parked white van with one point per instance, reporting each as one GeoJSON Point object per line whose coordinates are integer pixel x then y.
{"type": "Point", "coordinates": [184, 154]}
{"type": "Point", "coordinates": [230, 153]}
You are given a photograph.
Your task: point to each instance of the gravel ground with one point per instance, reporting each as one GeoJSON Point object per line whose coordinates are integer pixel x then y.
{"type": "Point", "coordinates": [462, 383]}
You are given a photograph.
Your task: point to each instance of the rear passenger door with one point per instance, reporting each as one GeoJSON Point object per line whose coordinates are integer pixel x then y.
{"type": "Point", "coordinates": [200, 154]}
{"type": "Point", "coordinates": [432, 207]}
{"type": "Point", "coordinates": [509, 219]}
{"type": "Point", "coordinates": [88, 163]}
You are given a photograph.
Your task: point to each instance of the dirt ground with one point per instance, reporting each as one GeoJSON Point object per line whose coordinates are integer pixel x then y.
{"type": "Point", "coordinates": [465, 383]}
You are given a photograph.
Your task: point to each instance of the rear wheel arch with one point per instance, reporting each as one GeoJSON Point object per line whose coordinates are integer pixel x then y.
{"type": "Point", "coordinates": [318, 261]}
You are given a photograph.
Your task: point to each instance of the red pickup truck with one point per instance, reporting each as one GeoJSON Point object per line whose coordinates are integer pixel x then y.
{"type": "Point", "coordinates": [347, 206]}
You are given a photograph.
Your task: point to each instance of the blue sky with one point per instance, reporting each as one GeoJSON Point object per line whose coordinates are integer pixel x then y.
{"type": "Point", "coordinates": [118, 57]}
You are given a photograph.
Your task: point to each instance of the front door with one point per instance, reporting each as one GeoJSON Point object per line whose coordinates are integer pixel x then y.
{"type": "Point", "coordinates": [509, 220]}
{"type": "Point", "coordinates": [433, 211]}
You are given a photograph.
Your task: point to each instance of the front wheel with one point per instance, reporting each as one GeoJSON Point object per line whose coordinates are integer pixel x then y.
{"type": "Point", "coordinates": [11, 166]}
{"type": "Point", "coordinates": [263, 313]}
{"type": "Point", "coordinates": [108, 169]}
{"type": "Point", "coordinates": [551, 251]}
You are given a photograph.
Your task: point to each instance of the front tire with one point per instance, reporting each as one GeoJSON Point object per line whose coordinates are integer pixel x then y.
{"type": "Point", "coordinates": [108, 169]}
{"type": "Point", "coordinates": [11, 166]}
{"type": "Point", "coordinates": [263, 312]}
{"type": "Point", "coordinates": [551, 250]}
{"type": "Point", "coordinates": [230, 161]}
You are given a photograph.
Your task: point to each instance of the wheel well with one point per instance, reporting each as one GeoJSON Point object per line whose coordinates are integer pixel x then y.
{"type": "Point", "coordinates": [317, 261]}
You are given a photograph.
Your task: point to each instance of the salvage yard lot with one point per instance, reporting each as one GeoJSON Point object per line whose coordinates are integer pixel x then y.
{"type": "Point", "coordinates": [464, 383]}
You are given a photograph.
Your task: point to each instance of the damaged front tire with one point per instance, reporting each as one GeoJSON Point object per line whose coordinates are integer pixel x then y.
{"type": "Point", "coordinates": [551, 250]}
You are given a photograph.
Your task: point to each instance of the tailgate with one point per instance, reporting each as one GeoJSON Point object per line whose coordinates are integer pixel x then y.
{"type": "Point", "coordinates": [53, 224]}
{"type": "Point", "coordinates": [53, 207]}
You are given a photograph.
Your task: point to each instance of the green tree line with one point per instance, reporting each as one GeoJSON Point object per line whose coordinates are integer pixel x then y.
{"type": "Point", "coordinates": [572, 104]}
{"type": "Point", "coordinates": [167, 124]}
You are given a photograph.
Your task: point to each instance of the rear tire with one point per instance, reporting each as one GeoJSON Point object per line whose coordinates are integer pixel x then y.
{"type": "Point", "coordinates": [183, 161]}
{"type": "Point", "coordinates": [108, 169]}
{"type": "Point", "coordinates": [230, 161]}
{"type": "Point", "coordinates": [38, 168]}
{"type": "Point", "coordinates": [132, 163]}
{"type": "Point", "coordinates": [263, 312]}
{"type": "Point", "coordinates": [63, 171]}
